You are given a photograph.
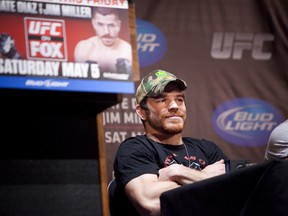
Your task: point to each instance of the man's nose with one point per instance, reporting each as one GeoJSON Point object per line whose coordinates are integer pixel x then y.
{"type": "Point", "coordinates": [105, 29]}
{"type": "Point", "coordinates": [173, 105]}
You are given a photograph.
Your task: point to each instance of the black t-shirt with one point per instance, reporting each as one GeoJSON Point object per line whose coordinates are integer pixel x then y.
{"type": "Point", "coordinates": [140, 155]}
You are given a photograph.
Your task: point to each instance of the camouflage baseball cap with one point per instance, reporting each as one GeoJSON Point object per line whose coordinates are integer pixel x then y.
{"type": "Point", "coordinates": [154, 84]}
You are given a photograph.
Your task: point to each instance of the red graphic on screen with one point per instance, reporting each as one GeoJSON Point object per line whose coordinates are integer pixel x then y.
{"type": "Point", "coordinates": [45, 39]}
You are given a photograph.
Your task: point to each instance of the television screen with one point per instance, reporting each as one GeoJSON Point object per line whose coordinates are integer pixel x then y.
{"type": "Point", "coordinates": [70, 46]}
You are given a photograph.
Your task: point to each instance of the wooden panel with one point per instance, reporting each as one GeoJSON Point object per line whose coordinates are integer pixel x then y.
{"type": "Point", "coordinates": [102, 165]}
{"type": "Point", "coordinates": [133, 39]}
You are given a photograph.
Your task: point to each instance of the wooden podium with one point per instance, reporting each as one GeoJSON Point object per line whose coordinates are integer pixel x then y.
{"type": "Point", "coordinates": [260, 189]}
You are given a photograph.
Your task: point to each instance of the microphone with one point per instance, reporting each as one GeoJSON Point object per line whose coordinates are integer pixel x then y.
{"type": "Point", "coordinates": [233, 165]}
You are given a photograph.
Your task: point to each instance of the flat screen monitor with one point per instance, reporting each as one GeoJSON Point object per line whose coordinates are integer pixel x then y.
{"type": "Point", "coordinates": [66, 46]}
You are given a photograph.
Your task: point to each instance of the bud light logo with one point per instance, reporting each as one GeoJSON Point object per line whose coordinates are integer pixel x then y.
{"type": "Point", "coordinates": [151, 43]}
{"type": "Point", "coordinates": [246, 122]}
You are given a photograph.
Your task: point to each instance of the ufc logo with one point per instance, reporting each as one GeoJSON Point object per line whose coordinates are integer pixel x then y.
{"type": "Point", "coordinates": [232, 45]}
{"type": "Point", "coordinates": [45, 28]}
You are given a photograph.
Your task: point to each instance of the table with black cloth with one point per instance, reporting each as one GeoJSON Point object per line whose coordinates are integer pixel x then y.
{"type": "Point", "coordinates": [260, 189]}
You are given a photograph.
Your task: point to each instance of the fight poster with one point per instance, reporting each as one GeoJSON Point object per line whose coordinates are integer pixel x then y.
{"type": "Point", "coordinates": [66, 45]}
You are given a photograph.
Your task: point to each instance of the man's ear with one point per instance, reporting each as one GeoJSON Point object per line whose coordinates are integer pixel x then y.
{"type": "Point", "coordinates": [93, 22]}
{"type": "Point", "coordinates": [141, 112]}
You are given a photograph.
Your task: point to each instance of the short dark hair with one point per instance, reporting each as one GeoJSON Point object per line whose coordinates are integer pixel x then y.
{"type": "Point", "coordinates": [105, 11]}
{"type": "Point", "coordinates": [143, 103]}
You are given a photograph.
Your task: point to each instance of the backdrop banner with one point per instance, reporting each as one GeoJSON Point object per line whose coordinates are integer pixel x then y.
{"type": "Point", "coordinates": [233, 56]}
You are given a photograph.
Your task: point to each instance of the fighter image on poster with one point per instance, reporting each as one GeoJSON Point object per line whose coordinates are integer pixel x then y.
{"type": "Point", "coordinates": [106, 48]}
{"type": "Point", "coordinates": [7, 47]}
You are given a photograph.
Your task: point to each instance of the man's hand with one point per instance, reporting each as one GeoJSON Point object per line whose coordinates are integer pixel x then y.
{"type": "Point", "coordinates": [123, 66]}
{"type": "Point", "coordinates": [7, 47]}
{"type": "Point", "coordinates": [166, 173]}
{"type": "Point", "coordinates": [215, 169]}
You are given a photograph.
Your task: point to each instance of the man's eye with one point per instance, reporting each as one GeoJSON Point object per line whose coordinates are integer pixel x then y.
{"type": "Point", "coordinates": [160, 100]}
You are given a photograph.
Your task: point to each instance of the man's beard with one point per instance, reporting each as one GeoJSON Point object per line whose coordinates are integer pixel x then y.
{"type": "Point", "coordinates": [162, 126]}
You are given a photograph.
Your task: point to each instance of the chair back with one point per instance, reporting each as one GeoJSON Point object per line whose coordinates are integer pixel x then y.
{"type": "Point", "coordinates": [119, 204]}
